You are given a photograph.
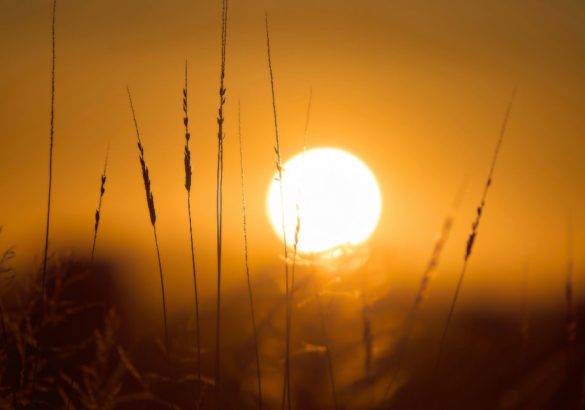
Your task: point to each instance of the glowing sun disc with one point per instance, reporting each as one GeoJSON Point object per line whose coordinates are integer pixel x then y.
{"type": "Point", "coordinates": [334, 194]}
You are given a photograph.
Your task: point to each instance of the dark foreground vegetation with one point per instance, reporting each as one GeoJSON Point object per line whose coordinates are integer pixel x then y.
{"type": "Point", "coordinates": [83, 349]}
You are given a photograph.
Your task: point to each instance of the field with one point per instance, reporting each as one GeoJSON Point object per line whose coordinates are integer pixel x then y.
{"type": "Point", "coordinates": [197, 237]}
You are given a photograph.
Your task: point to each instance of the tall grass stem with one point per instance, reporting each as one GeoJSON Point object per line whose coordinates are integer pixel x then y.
{"type": "Point", "coordinates": [474, 229]}
{"type": "Point", "coordinates": [247, 264]}
{"type": "Point", "coordinates": [152, 215]}
{"type": "Point", "coordinates": [279, 171]}
{"type": "Point", "coordinates": [51, 142]}
{"type": "Point", "coordinates": [219, 194]}
{"type": "Point", "coordinates": [188, 177]}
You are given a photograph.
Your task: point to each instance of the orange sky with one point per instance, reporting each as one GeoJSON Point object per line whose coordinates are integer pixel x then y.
{"type": "Point", "coordinates": [416, 89]}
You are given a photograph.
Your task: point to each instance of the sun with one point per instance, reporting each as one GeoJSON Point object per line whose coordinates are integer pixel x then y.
{"type": "Point", "coordinates": [331, 194]}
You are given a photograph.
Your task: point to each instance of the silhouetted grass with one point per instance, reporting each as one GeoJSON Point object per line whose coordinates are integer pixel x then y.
{"type": "Point", "coordinates": [247, 265]}
{"type": "Point", "coordinates": [286, 395]}
{"type": "Point", "coordinates": [188, 175]}
{"type": "Point", "coordinates": [475, 227]}
{"type": "Point", "coordinates": [152, 214]}
{"type": "Point", "coordinates": [219, 192]}
{"type": "Point", "coordinates": [51, 140]}
{"type": "Point", "coordinates": [98, 211]}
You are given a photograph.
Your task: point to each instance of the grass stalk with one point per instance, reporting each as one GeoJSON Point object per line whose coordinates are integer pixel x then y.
{"type": "Point", "coordinates": [51, 141]}
{"type": "Point", "coordinates": [474, 229]}
{"type": "Point", "coordinates": [219, 193]}
{"type": "Point", "coordinates": [188, 175]}
{"type": "Point", "coordinates": [248, 279]}
{"type": "Point", "coordinates": [279, 170]}
{"type": "Point", "coordinates": [99, 207]}
{"type": "Point", "coordinates": [152, 214]}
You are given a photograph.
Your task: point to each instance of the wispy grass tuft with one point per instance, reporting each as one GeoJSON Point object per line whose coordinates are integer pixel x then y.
{"type": "Point", "coordinates": [188, 174]}
{"type": "Point", "coordinates": [219, 191]}
{"type": "Point", "coordinates": [98, 211]}
{"type": "Point", "coordinates": [286, 395]}
{"type": "Point", "coordinates": [51, 141]}
{"type": "Point", "coordinates": [249, 282]}
{"type": "Point", "coordinates": [152, 214]}
{"type": "Point", "coordinates": [475, 227]}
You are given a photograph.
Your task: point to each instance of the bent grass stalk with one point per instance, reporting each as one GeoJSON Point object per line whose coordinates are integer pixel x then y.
{"type": "Point", "coordinates": [51, 141]}
{"type": "Point", "coordinates": [99, 207]}
{"type": "Point", "coordinates": [474, 228]}
{"type": "Point", "coordinates": [219, 192]}
{"type": "Point", "coordinates": [152, 214]}
{"type": "Point", "coordinates": [285, 245]}
{"type": "Point", "coordinates": [188, 174]}
{"type": "Point", "coordinates": [249, 281]}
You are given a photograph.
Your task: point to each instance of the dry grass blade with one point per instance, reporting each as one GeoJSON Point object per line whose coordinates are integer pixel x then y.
{"type": "Point", "coordinates": [475, 227]}
{"type": "Point", "coordinates": [51, 140]}
{"type": "Point", "coordinates": [285, 245]}
{"type": "Point", "coordinates": [152, 214]}
{"type": "Point", "coordinates": [219, 192]}
{"type": "Point", "coordinates": [249, 282]}
{"type": "Point", "coordinates": [187, 162]}
{"type": "Point", "coordinates": [98, 211]}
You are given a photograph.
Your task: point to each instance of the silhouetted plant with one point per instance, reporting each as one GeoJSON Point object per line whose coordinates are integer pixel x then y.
{"type": "Point", "coordinates": [99, 207]}
{"type": "Point", "coordinates": [51, 141]}
{"type": "Point", "coordinates": [475, 227]}
{"type": "Point", "coordinates": [188, 172]}
{"type": "Point", "coordinates": [286, 395]}
{"type": "Point", "coordinates": [219, 191]}
{"type": "Point", "coordinates": [152, 215]}
{"type": "Point", "coordinates": [247, 264]}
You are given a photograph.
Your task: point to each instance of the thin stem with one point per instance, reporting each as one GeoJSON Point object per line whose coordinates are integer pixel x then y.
{"type": "Point", "coordinates": [474, 228]}
{"type": "Point", "coordinates": [197, 327]}
{"type": "Point", "coordinates": [152, 215]}
{"type": "Point", "coordinates": [51, 141]}
{"type": "Point", "coordinates": [285, 246]}
{"type": "Point", "coordinates": [98, 211]}
{"type": "Point", "coordinates": [249, 282]}
{"type": "Point", "coordinates": [219, 195]}
{"type": "Point", "coordinates": [162, 289]}
{"type": "Point", "coordinates": [188, 174]}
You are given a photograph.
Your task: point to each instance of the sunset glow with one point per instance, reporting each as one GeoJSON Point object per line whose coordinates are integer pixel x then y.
{"type": "Point", "coordinates": [335, 196]}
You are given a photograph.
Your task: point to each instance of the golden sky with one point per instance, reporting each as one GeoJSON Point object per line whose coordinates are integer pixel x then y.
{"type": "Point", "coordinates": [416, 89]}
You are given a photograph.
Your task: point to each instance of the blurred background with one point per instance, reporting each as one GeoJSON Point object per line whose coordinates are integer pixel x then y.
{"type": "Point", "coordinates": [416, 89]}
